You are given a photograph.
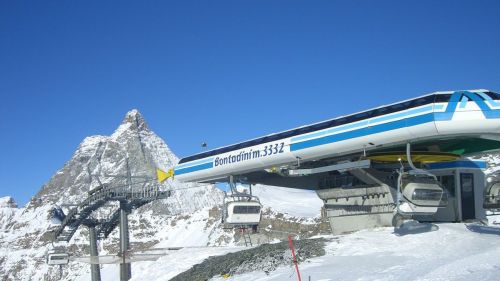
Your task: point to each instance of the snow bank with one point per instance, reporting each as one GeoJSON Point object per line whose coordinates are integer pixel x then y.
{"type": "Point", "coordinates": [7, 202]}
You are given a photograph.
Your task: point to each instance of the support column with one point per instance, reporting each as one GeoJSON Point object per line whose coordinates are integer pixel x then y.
{"type": "Point", "coordinates": [94, 268]}
{"type": "Point", "coordinates": [125, 269]}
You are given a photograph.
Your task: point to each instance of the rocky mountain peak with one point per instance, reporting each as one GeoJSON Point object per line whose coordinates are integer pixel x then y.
{"type": "Point", "coordinates": [135, 119]}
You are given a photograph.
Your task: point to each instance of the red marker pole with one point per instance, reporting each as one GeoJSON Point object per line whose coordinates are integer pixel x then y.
{"type": "Point", "coordinates": [290, 242]}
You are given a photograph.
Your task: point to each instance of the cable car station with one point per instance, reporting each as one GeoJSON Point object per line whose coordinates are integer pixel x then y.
{"type": "Point", "coordinates": [406, 161]}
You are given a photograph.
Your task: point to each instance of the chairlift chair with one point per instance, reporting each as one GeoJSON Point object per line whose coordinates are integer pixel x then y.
{"type": "Point", "coordinates": [492, 193]}
{"type": "Point", "coordinates": [421, 194]}
{"type": "Point", "coordinates": [245, 212]}
{"type": "Point", "coordinates": [241, 209]}
{"type": "Point", "coordinates": [57, 258]}
{"type": "Point", "coordinates": [418, 191]}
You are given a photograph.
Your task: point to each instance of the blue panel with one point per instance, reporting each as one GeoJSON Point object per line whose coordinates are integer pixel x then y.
{"type": "Point", "coordinates": [194, 168]}
{"type": "Point", "coordinates": [458, 164]}
{"type": "Point", "coordinates": [194, 163]}
{"type": "Point", "coordinates": [364, 132]}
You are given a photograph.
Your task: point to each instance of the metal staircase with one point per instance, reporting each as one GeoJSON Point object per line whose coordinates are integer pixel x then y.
{"type": "Point", "coordinates": [246, 237]}
{"type": "Point", "coordinates": [131, 197]}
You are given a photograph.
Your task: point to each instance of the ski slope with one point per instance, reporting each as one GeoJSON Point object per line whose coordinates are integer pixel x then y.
{"type": "Point", "coordinates": [454, 252]}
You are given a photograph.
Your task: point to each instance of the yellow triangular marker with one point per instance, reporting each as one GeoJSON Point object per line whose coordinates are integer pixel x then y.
{"type": "Point", "coordinates": [162, 175]}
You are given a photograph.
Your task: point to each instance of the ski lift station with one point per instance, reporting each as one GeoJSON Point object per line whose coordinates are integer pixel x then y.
{"type": "Point", "coordinates": [379, 167]}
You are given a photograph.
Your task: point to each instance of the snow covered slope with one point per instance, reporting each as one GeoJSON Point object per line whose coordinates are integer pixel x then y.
{"type": "Point", "coordinates": [292, 202]}
{"type": "Point", "coordinates": [454, 252]}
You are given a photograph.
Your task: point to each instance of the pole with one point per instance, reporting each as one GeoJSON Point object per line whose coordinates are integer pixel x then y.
{"type": "Point", "coordinates": [125, 269]}
{"type": "Point", "coordinates": [95, 270]}
{"type": "Point", "coordinates": [290, 242]}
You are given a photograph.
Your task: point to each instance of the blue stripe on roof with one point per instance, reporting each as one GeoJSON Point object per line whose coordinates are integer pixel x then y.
{"type": "Point", "coordinates": [193, 168]}
{"type": "Point", "coordinates": [489, 100]}
{"type": "Point", "coordinates": [438, 106]}
{"type": "Point", "coordinates": [194, 163]}
{"type": "Point", "coordinates": [366, 122]}
{"type": "Point", "coordinates": [330, 131]}
{"type": "Point", "coordinates": [364, 132]}
{"type": "Point", "coordinates": [402, 114]}
{"type": "Point", "coordinates": [458, 164]}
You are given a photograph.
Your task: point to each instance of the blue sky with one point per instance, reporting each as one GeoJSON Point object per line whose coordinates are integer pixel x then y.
{"type": "Point", "coordinates": [220, 71]}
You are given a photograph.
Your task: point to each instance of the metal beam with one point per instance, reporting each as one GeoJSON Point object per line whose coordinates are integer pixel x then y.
{"type": "Point", "coordinates": [125, 268]}
{"type": "Point", "coordinates": [95, 270]}
{"type": "Point", "coordinates": [337, 167]}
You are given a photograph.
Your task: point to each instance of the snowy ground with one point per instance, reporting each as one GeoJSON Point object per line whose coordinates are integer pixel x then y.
{"type": "Point", "coordinates": [293, 202]}
{"type": "Point", "coordinates": [454, 252]}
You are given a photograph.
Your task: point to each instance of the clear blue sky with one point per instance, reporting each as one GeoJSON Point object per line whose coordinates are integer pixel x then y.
{"type": "Point", "coordinates": [220, 71]}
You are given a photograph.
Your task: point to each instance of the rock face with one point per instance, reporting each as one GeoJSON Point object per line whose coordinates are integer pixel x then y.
{"type": "Point", "coordinates": [266, 258]}
{"type": "Point", "coordinates": [25, 234]}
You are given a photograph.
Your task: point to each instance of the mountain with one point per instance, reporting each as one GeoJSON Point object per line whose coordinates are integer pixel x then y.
{"type": "Point", "coordinates": [190, 217]}
{"type": "Point", "coordinates": [26, 233]}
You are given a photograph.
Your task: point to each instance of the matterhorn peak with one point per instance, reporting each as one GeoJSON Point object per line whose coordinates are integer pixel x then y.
{"type": "Point", "coordinates": [134, 117]}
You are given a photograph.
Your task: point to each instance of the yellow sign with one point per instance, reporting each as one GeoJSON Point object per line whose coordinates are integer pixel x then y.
{"type": "Point", "coordinates": [162, 175]}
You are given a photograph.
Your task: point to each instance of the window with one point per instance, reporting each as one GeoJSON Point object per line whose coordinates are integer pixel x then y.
{"type": "Point", "coordinates": [427, 195]}
{"type": "Point", "coordinates": [422, 101]}
{"type": "Point", "coordinates": [448, 183]}
{"type": "Point", "coordinates": [493, 95]}
{"type": "Point", "coordinates": [59, 257]}
{"type": "Point", "coordinates": [442, 98]}
{"type": "Point", "coordinates": [246, 210]}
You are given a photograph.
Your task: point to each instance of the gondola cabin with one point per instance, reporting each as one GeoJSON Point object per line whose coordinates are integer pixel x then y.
{"type": "Point", "coordinates": [492, 193]}
{"type": "Point", "coordinates": [242, 212]}
{"type": "Point", "coordinates": [423, 195]}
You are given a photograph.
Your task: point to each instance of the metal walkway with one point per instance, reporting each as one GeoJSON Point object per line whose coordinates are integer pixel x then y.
{"type": "Point", "coordinates": [132, 197]}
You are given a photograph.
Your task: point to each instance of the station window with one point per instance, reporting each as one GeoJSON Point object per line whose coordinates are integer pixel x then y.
{"type": "Point", "coordinates": [493, 95]}
{"type": "Point", "coordinates": [448, 183]}
{"type": "Point", "coordinates": [442, 98]}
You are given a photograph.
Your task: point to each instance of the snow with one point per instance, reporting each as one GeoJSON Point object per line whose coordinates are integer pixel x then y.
{"type": "Point", "coordinates": [456, 251]}
{"type": "Point", "coordinates": [190, 232]}
{"type": "Point", "coordinates": [451, 253]}
{"type": "Point", "coordinates": [293, 202]}
{"type": "Point", "coordinates": [7, 202]}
